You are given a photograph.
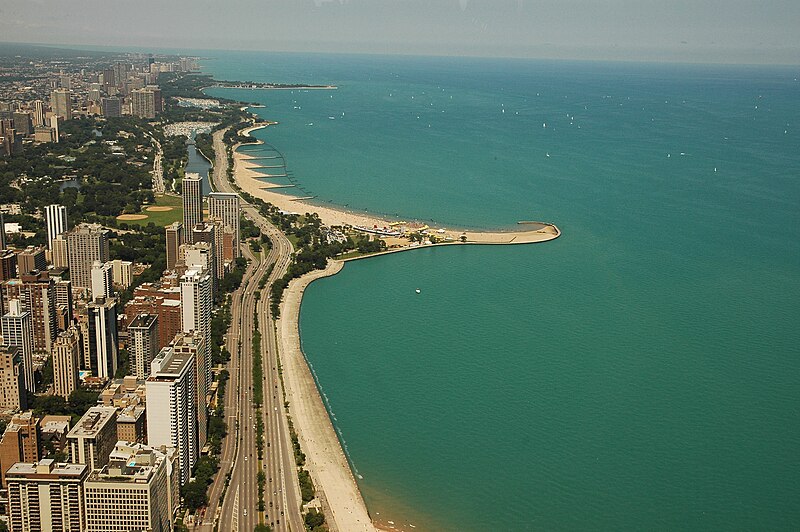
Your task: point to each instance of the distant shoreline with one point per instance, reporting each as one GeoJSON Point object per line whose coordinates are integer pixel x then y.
{"type": "Point", "coordinates": [268, 86]}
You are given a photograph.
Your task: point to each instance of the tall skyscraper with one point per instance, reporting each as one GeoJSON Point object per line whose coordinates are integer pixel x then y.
{"type": "Point", "coordinates": [142, 480]}
{"type": "Point", "coordinates": [143, 338]}
{"type": "Point", "coordinates": [172, 385]}
{"type": "Point", "coordinates": [196, 305]}
{"type": "Point", "coordinates": [3, 243]}
{"type": "Point", "coordinates": [8, 265]}
{"type": "Point", "coordinates": [17, 330]}
{"type": "Point", "coordinates": [12, 380]}
{"type": "Point", "coordinates": [111, 107]}
{"type": "Point", "coordinates": [199, 255]}
{"type": "Point", "coordinates": [192, 203]}
{"type": "Point", "coordinates": [92, 438]}
{"type": "Point", "coordinates": [63, 292]}
{"type": "Point", "coordinates": [174, 240]}
{"type": "Point", "coordinates": [38, 113]}
{"type": "Point", "coordinates": [22, 123]}
{"type": "Point", "coordinates": [146, 102]}
{"type": "Point", "coordinates": [59, 252]}
{"type": "Point", "coordinates": [102, 337]}
{"type": "Point", "coordinates": [66, 361]}
{"type": "Point", "coordinates": [193, 344]}
{"type": "Point", "coordinates": [56, 218]}
{"type": "Point", "coordinates": [61, 103]}
{"type": "Point", "coordinates": [87, 243]}
{"type": "Point", "coordinates": [122, 273]}
{"type": "Point", "coordinates": [30, 259]}
{"type": "Point", "coordinates": [36, 290]}
{"type": "Point", "coordinates": [225, 206]}
{"type": "Point", "coordinates": [102, 279]}
{"type": "Point", "coordinates": [20, 442]}
{"type": "Point", "coordinates": [46, 496]}
{"type": "Point", "coordinates": [210, 232]}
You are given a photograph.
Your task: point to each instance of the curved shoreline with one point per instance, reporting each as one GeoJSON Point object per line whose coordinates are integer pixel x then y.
{"type": "Point", "coordinates": [326, 462]}
{"type": "Point", "coordinates": [325, 459]}
{"type": "Point", "coordinates": [253, 182]}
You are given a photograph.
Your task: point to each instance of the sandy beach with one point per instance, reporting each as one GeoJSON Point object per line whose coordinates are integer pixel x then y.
{"type": "Point", "coordinates": [325, 459]}
{"type": "Point", "coordinates": [252, 182]}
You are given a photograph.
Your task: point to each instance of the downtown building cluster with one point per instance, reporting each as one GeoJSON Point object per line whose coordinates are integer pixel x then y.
{"type": "Point", "coordinates": [120, 467]}
{"type": "Point", "coordinates": [124, 88]}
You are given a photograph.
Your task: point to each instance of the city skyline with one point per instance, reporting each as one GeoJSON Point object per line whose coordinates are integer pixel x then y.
{"type": "Point", "coordinates": [743, 31]}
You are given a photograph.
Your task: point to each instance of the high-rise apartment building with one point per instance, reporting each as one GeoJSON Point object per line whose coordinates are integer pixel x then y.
{"type": "Point", "coordinates": [66, 361]}
{"type": "Point", "coordinates": [225, 206]}
{"type": "Point", "coordinates": [59, 252]}
{"type": "Point", "coordinates": [146, 102]}
{"type": "Point", "coordinates": [17, 331]}
{"type": "Point", "coordinates": [20, 442]}
{"type": "Point", "coordinates": [30, 259]}
{"type": "Point", "coordinates": [122, 273]}
{"type": "Point", "coordinates": [36, 290]}
{"type": "Point", "coordinates": [193, 344]}
{"type": "Point", "coordinates": [63, 292]}
{"type": "Point", "coordinates": [87, 243]}
{"type": "Point", "coordinates": [38, 113]}
{"type": "Point", "coordinates": [111, 107]}
{"type": "Point", "coordinates": [171, 385]}
{"type": "Point", "coordinates": [102, 279]}
{"type": "Point", "coordinates": [12, 380]}
{"type": "Point", "coordinates": [196, 306]}
{"type": "Point", "coordinates": [22, 123]}
{"type": "Point", "coordinates": [61, 103]}
{"type": "Point", "coordinates": [8, 265]}
{"type": "Point", "coordinates": [210, 232]}
{"type": "Point", "coordinates": [56, 219]}
{"type": "Point", "coordinates": [103, 341]}
{"type": "Point", "coordinates": [92, 438]}
{"type": "Point", "coordinates": [174, 240]}
{"type": "Point", "coordinates": [134, 492]}
{"type": "Point", "coordinates": [143, 340]}
{"type": "Point", "coordinates": [198, 255]}
{"type": "Point", "coordinates": [192, 203]}
{"type": "Point", "coordinates": [46, 496]}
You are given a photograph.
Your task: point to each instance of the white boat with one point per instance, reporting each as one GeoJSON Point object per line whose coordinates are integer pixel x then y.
{"type": "Point", "coordinates": [417, 290]}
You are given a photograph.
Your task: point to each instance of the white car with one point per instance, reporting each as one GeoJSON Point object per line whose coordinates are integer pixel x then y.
{"type": "Point", "coordinates": [245, 512]}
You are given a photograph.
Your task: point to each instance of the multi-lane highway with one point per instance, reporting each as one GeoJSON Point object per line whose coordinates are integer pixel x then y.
{"type": "Point", "coordinates": [239, 510]}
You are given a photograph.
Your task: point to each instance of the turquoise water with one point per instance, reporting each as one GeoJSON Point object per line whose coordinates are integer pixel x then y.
{"type": "Point", "coordinates": [197, 163]}
{"type": "Point", "coordinates": [641, 371]}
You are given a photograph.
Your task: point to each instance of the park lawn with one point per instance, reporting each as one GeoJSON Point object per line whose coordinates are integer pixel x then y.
{"type": "Point", "coordinates": [164, 218]}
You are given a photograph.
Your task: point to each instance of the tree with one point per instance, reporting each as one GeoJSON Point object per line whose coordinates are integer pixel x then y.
{"type": "Point", "coordinates": [81, 400]}
{"type": "Point", "coordinates": [194, 495]}
{"type": "Point", "coordinates": [314, 519]}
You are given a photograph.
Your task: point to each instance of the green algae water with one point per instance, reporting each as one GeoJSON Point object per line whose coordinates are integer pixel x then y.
{"type": "Point", "coordinates": [640, 372]}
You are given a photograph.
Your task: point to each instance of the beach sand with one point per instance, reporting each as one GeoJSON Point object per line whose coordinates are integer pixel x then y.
{"type": "Point", "coordinates": [325, 459]}
{"type": "Point", "coordinates": [248, 179]}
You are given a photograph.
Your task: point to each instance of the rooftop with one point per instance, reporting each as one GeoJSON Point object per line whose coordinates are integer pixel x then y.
{"type": "Point", "coordinates": [143, 320]}
{"type": "Point", "coordinates": [45, 469]}
{"type": "Point", "coordinates": [92, 422]}
{"type": "Point", "coordinates": [168, 364]}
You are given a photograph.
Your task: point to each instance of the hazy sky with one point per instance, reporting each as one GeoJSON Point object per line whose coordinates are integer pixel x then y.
{"type": "Point", "coordinates": [751, 31]}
